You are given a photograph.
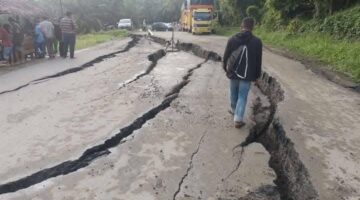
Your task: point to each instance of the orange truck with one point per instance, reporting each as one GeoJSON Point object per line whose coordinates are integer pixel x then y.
{"type": "Point", "coordinates": [197, 16]}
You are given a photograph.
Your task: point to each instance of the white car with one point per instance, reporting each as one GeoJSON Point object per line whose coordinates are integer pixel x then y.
{"type": "Point", "coordinates": [125, 24]}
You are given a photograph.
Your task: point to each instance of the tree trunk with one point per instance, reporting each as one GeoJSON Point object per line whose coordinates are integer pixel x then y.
{"type": "Point", "coordinates": [331, 7]}
{"type": "Point", "coordinates": [317, 8]}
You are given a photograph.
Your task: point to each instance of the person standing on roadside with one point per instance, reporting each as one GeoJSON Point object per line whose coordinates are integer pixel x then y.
{"type": "Point", "coordinates": [58, 45]}
{"type": "Point", "coordinates": [242, 64]}
{"type": "Point", "coordinates": [6, 42]}
{"type": "Point", "coordinates": [68, 29]}
{"type": "Point", "coordinates": [17, 40]}
{"type": "Point", "coordinates": [39, 40]}
{"type": "Point", "coordinates": [47, 28]}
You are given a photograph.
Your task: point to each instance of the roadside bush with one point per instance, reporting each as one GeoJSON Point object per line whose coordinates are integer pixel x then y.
{"type": "Point", "coordinates": [272, 20]}
{"type": "Point", "coordinates": [345, 24]}
{"type": "Point", "coordinates": [294, 26]}
{"type": "Point", "coordinates": [310, 26]}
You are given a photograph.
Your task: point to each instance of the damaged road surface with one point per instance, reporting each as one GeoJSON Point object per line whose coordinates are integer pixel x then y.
{"type": "Point", "coordinates": [129, 128]}
{"type": "Point", "coordinates": [312, 131]}
{"type": "Point", "coordinates": [146, 124]}
{"type": "Point", "coordinates": [180, 139]}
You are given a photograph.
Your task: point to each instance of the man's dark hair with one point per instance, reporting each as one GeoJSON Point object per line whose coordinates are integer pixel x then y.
{"type": "Point", "coordinates": [248, 23]}
{"type": "Point", "coordinates": [68, 13]}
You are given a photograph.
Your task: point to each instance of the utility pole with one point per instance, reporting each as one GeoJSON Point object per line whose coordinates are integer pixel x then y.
{"type": "Point", "coordinates": [62, 9]}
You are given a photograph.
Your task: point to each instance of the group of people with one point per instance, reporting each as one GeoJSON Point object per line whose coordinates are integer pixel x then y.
{"type": "Point", "coordinates": [11, 38]}
{"type": "Point", "coordinates": [48, 37]}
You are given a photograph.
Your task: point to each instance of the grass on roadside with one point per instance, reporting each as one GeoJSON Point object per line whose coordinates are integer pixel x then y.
{"type": "Point", "coordinates": [92, 39]}
{"type": "Point", "coordinates": [226, 31]}
{"type": "Point", "coordinates": [342, 55]}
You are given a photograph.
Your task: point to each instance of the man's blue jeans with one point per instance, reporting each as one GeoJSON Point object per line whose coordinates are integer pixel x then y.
{"type": "Point", "coordinates": [239, 90]}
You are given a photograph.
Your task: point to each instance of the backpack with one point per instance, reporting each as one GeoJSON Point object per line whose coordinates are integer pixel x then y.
{"type": "Point", "coordinates": [238, 61]}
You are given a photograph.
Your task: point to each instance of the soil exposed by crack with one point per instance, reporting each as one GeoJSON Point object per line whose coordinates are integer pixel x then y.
{"type": "Point", "coordinates": [293, 180]}
{"type": "Point", "coordinates": [154, 59]}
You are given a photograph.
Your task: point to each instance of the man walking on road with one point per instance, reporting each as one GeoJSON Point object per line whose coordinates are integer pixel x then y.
{"type": "Point", "coordinates": [68, 29]}
{"type": "Point", "coordinates": [47, 28]}
{"type": "Point", "coordinates": [242, 63]}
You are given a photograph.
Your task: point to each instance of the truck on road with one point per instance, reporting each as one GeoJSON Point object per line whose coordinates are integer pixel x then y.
{"type": "Point", "coordinates": [197, 16]}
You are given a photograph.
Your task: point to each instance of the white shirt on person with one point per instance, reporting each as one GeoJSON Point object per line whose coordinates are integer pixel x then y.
{"type": "Point", "coordinates": [47, 28]}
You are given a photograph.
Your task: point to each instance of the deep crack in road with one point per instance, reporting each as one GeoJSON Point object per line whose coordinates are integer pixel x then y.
{"type": "Point", "coordinates": [167, 110]}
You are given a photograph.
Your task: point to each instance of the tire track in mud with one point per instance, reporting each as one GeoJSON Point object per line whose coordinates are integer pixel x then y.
{"type": "Point", "coordinates": [134, 41]}
{"type": "Point", "coordinates": [91, 154]}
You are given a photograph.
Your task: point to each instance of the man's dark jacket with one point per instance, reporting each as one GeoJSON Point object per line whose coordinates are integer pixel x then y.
{"type": "Point", "coordinates": [254, 46]}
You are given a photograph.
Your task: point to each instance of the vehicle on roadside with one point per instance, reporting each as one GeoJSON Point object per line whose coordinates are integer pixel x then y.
{"type": "Point", "coordinates": [197, 16]}
{"type": "Point", "coordinates": [125, 24]}
{"type": "Point", "coordinates": [170, 26]}
{"type": "Point", "coordinates": [161, 26]}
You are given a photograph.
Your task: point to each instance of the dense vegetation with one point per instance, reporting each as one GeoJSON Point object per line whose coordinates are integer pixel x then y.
{"type": "Point", "coordinates": [93, 15]}
{"type": "Point", "coordinates": [296, 15]}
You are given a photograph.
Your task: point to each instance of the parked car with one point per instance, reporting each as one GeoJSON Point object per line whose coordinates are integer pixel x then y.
{"type": "Point", "coordinates": [160, 26]}
{"type": "Point", "coordinates": [125, 24]}
{"type": "Point", "coordinates": [170, 26]}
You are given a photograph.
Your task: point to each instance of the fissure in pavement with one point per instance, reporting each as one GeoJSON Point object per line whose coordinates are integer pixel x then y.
{"type": "Point", "coordinates": [154, 59]}
{"type": "Point", "coordinates": [100, 150]}
{"type": "Point", "coordinates": [134, 41]}
{"type": "Point", "coordinates": [237, 167]}
{"type": "Point", "coordinates": [293, 180]}
{"type": "Point", "coordinates": [191, 165]}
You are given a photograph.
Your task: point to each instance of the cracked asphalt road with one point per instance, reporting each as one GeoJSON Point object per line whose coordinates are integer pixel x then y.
{"type": "Point", "coordinates": [185, 150]}
{"type": "Point", "coordinates": [55, 121]}
{"type": "Point", "coordinates": [320, 117]}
